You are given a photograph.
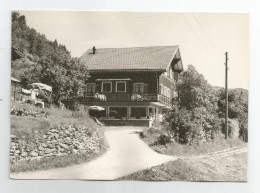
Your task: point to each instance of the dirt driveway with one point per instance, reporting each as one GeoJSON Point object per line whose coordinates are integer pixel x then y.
{"type": "Point", "coordinates": [127, 154]}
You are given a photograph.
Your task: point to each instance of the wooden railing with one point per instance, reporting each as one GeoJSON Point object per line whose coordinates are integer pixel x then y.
{"type": "Point", "coordinates": [124, 97]}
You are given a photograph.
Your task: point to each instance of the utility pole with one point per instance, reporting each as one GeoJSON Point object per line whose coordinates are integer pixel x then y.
{"type": "Point", "coordinates": [226, 92]}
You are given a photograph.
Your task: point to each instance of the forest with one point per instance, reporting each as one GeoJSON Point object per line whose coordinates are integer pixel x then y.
{"type": "Point", "coordinates": [45, 61]}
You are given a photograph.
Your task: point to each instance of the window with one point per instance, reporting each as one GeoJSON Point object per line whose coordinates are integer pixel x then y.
{"type": "Point", "coordinates": [118, 112]}
{"type": "Point", "coordinates": [138, 88]}
{"type": "Point", "coordinates": [91, 87]}
{"type": "Point", "coordinates": [106, 86]}
{"type": "Point", "coordinates": [121, 86]}
{"type": "Point", "coordinates": [138, 112]}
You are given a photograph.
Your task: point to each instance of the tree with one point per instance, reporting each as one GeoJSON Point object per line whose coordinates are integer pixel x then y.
{"type": "Point", "coordinates": [194, 91]}
{"type": "Point", "coordinates": [66, 75]}
{"type": "Point", "coordinates": [194, 118]}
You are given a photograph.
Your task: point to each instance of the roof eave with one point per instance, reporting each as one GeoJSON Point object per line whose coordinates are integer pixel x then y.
{"type": "Point", "coordinates": [126, 70]}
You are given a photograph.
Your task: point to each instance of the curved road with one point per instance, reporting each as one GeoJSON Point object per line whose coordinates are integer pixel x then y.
{"type": "Point", "coordinates": [127, 154]}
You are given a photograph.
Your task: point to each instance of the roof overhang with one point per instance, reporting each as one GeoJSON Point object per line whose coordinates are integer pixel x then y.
{"type": "Point", "coordinates": [126, 70]}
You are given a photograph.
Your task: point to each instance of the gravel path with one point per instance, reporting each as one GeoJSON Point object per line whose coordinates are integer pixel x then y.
{"type": "Point", "coordinates": [127, 154]}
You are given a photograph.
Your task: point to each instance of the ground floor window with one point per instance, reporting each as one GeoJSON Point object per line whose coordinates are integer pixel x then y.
{"type": "Point", "coordinates": [97, 114]}
{"type": "Point", "coordinates": [138, 112]}
{"type": "Point", "coordinates": [118, 112]}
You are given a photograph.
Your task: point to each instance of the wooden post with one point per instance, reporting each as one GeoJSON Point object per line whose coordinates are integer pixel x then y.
{"type": "Point", "coordinates": [14, 90]}
{"type": "Point", "coordinates": [226, 92]}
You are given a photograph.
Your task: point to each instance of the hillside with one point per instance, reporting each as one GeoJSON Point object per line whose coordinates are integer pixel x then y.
{"type": "Point", "coordinates": [37, 59]}
{"type": "Point", "coordinates": [31, 45]}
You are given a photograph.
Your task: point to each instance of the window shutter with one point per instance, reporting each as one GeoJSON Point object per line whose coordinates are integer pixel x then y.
{"type": "Point", "coordinates": [133, 88]}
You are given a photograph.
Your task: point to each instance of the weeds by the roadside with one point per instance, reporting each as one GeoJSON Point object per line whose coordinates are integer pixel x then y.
{"type": "Point", "coordinates": [153, 137]}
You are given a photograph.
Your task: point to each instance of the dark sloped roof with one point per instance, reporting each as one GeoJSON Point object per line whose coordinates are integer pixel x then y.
{"type": "Point", "coordinates": [135, 58]}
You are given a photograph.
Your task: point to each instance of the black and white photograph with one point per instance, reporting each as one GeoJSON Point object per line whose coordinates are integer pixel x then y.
{"type": "Point", "coordinates": [139, 96]}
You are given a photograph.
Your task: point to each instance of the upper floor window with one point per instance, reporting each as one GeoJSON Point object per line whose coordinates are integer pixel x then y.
{"type": "Point", "coordinates": [138, 88]}
{"type": "Point", "coordinates": [120, 86]}
{"type": "Point", "coordinates": [91, 87]}
{"type": "Point", "coordinates": [106, 87]}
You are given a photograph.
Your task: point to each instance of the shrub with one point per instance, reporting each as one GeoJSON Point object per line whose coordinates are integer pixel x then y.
{"type": "Point", "coordinates": [233, 128]}
{"type": "Point", "coordinates": [163, 139]}
{"type": "Point", "coordinates": [195, 134]}
{"type": "Point", "coordinates": [141, 134]}
{"type": "Point", "coordinates": [80, 112]}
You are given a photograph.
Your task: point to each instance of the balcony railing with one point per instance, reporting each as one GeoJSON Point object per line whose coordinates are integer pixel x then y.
{"type": "Point", "coordinates": [124, 97]}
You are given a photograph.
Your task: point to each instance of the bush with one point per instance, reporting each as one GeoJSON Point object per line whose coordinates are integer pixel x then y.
{"type": "Point", "coordinates": [141, 135]}
{"type": "Point", "coordinates": [194, 126]}
{"type": "Point", "coordinates": [80, 112]}
{"type": "Point", "coordinates": [163, 139]}
{"type": "Point", "coordinates": [195, 134]}
{"type": "Point", "coordinates": [233, 128]}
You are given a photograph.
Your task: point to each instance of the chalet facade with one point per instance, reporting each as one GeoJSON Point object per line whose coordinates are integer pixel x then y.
{"type": "Point", "coordinates": [135, 86]}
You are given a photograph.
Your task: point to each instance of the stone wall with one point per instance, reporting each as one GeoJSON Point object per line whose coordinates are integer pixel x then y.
{"type": "Point", "coordinates": [58, 141]}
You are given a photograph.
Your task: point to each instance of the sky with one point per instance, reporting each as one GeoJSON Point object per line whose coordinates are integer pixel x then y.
{"type": "Point", "coordinates": [203, 38]}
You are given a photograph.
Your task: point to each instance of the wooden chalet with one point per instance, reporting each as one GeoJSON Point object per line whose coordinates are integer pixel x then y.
{"type": "Point", "coordinates": [135, 86]}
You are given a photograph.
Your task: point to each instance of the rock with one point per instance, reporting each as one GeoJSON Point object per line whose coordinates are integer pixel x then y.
{"type": "Point", "coordinates": [34, 154]}
{"type": "Point", "coordinates": [44, 136]}
{"type": "Point", "coordinates": [74, 151]}
{"type": "Point", "coordinates": [24, 154]}
{"type": "Point", "coordinates": [44, 145]}
{"type": "Point", "coordinates": [64, 146]}
{"type": "Point", "coordinates": [17, 151]}
{"type": "Point", "coordinates": [41, 148]}
{"type": "Point", "coordinates": [54, 130]}
{"type": "Point", "coordinates": [48, 151]}
{"type": "Point", "coordinates": [50, 145]}
{"type": "Point", "coordinates": [67, 138]}
{"type": "Point", "coordinates": [49, 154]}
{"type": "Point", "coordinates": [56, 136]}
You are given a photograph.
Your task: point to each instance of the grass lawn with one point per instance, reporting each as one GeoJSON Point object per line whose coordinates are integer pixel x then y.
{"type": "Point", "coordinates": [230, 168]}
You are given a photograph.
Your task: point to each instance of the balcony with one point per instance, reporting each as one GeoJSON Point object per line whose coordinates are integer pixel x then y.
{"type": "Point", "coordinates": [125, 97]}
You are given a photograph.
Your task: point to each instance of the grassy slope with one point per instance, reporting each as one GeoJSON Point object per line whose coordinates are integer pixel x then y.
{"type": "Point", "coordinates": [151, 137]}
{"type": "Point", "coordinates": [29, 127]}
{"type": "Point", "coordinates": [231, 168]}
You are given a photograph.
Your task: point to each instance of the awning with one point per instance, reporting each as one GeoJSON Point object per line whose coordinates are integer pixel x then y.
{"type": "Point", "coordinates": [158, 104]}
{"type": "Point", "coordinates": [110, 79]}
{"type": "Point", "coordinates": [96, 108]}
{"type": "Point", "coordinates": [167, 107]}
{"type": "Point", "coordinates": [15, 80]}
